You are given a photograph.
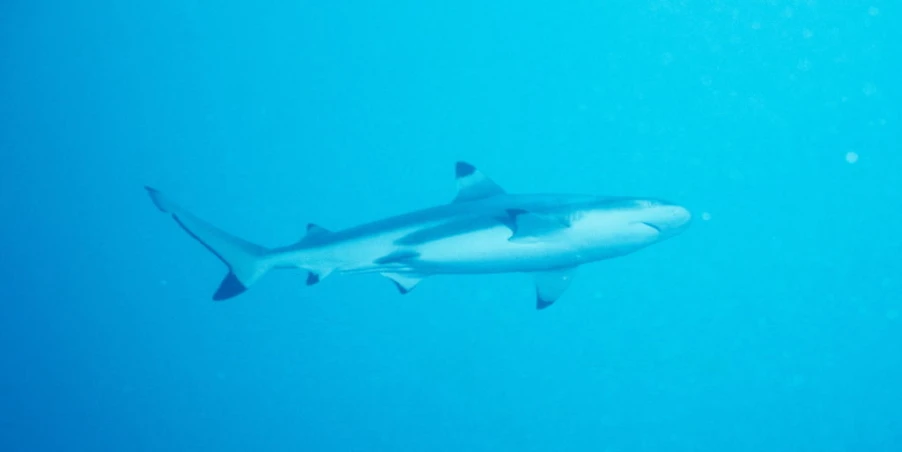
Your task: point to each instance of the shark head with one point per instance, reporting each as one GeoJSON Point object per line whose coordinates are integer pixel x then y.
{"type": "Point", "coordinates": [623, 225]}
{"type": "Point", "coordinates": [666, 218]}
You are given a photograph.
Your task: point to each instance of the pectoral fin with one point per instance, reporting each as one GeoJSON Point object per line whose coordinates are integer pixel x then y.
{"type": "Point", "coordinates": [551, 284]}
{"type": "Point", "coordinates": [403, 281]}
{"type": "Point", "coordinates": [528, 226]}
{"type": "Point", "coordinates": [398, 257]}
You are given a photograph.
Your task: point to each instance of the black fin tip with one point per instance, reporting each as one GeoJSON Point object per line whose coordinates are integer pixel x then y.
{"type": "Point", "coordinates": [464, 169]}
{"type": "Point", "coordinates": [229, 288]}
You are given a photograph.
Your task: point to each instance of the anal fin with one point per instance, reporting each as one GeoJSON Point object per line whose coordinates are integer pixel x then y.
{"type": "Point", "coordinates": [315, 275]}
{"type": "Point", "coordinates": [312, 278]}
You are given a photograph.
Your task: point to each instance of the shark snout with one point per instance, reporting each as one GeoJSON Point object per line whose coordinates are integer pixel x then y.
{"type": "Point", "coordinates": [680, 216]}
{"type": "Point", "coordinates": [671, 219]}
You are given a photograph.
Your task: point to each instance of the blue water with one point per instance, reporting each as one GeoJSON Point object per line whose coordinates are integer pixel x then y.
{"type": "Point", "coordinates": [773, 324]}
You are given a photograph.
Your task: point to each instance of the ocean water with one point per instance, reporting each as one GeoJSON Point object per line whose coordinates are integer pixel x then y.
{"type": "Point", "coordinates": [773, 324]}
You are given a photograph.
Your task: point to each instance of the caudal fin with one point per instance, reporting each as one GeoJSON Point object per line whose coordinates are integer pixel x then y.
{"type": "Point", "coordinates": [247, 262]}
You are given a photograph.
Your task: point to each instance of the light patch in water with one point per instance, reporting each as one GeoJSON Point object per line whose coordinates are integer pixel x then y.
{"type": "Point", "coordinates": [706, 216]}
{"type": "Point", "coordinates": [851, 157]}
{"type": "Point", "coordinates": [869, 89]}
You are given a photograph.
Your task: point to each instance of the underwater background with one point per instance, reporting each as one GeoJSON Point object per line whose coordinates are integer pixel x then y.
{"type": "Point", "coordinates": [774, 323]}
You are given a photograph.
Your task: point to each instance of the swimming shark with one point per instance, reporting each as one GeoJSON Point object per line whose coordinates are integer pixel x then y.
{"type": "Point", "coordinates": [484, 229]}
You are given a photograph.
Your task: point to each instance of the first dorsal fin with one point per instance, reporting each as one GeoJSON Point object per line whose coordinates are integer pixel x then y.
{"type": "Point", "coordinates": [473, 185]}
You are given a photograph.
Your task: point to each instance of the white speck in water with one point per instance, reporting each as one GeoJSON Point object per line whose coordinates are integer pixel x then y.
{"type": "Point", "coordinates": [706, 216]}
{"type": "Point", "coordinates": [869, 89]}
{"type": "Point", "coordinates": [756, 25]}
{"type": "Point", "coordinates": [851, 157]}
{"type": "Point", "coordinates": [804, 64]}
{"type": "Point", "coordinates": [666, 58]}
{"type": "Point", "coordinates": [807, 34]}
{"type": "Point", "coordinates": [873, 11]}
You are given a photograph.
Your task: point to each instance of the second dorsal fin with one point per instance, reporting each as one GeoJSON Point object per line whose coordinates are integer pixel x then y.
{"type": "Point", "coordinates": [473, 185]}
{"type": "Point", "coordinates": [314, 232]}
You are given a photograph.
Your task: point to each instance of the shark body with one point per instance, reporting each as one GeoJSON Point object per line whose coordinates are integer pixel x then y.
{"type": "Point", "coordinates": [483, 230]}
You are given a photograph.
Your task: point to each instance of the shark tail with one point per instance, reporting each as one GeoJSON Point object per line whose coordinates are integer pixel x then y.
{"type": "Point", "coordinates": [247, 262]}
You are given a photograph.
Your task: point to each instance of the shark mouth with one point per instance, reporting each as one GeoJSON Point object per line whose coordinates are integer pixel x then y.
{"type": "Point", "coordinates": [653, 227]}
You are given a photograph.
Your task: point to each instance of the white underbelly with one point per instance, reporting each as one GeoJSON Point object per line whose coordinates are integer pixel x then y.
{"type": "Point", "coordinates": [490, 251]}
{"type": "Point", "coordinates": [487, 250]}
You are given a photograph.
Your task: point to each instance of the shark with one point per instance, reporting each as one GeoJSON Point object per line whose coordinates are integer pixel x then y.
{"type": "Point", "coordinates": [482, 230]}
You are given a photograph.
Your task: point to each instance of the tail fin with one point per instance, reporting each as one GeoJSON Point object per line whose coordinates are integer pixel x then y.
{"type": "Point", "coordinates": [247, 262]}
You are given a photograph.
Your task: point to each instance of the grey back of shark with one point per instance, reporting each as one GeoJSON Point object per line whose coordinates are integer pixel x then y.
{"type": "Point", "coordinates": [483, 230]}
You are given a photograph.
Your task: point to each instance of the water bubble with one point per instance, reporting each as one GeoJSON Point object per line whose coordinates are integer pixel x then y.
{"type": "Point", "coordinates": [666, 58]}
{"type": "Point", "coordinates": [869, 89]}
{"type": "Point", "coordinates": [706, 216]}
{"type": "Point", "coordinates": [851, 157]}
{"type": "Point", "coordinates": [797, 380]}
